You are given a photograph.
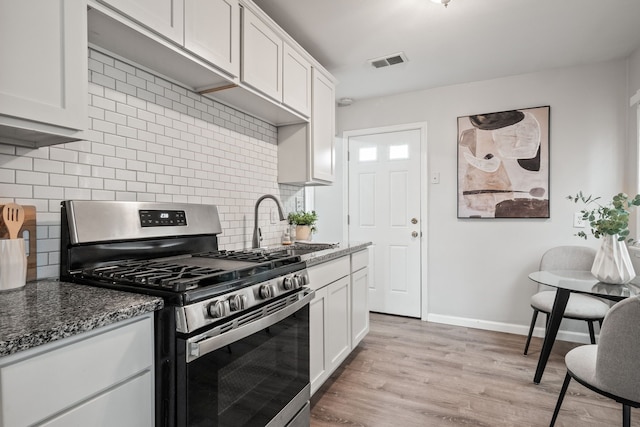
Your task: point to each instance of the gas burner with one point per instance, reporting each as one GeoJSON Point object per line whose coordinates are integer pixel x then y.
{"type": "Point", "coordinates": [253, 256]}
{"type": "Point", "coordinates": [169, 276]}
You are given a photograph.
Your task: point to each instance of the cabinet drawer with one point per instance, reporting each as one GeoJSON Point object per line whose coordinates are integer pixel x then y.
{"type": "Point", "coordinates": [127, 405]}
{"type": "Point", "coordinates": [359, 260]}
{"type": "Point", "coordinates": [68, 374]}
{"type": "Point", "coordinates": [328, 272]}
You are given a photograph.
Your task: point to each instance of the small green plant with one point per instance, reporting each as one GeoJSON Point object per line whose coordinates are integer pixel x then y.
{"type": "Point", "coordinates": [609, 219]}
{"type": "Point", "coordinates": [303, 218]}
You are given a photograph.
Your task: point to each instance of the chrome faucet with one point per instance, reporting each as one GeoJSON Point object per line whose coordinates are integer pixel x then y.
{"type": "Point", "coordinates": [257, 235]}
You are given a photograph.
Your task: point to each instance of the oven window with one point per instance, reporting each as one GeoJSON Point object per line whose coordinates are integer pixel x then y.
{"type": "Point", "coordinates": [248, 382]}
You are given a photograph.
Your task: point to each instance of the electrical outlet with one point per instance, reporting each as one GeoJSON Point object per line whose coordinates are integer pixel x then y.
{"type": "Point", "coordinates": [274, 216]}
{"type": "Point", "coordinates": [298, 204]}
{"type": "Point", "coordinates": [578, 222]}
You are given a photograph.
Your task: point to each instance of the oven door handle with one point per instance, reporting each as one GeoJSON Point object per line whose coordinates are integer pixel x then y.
{"type": "Point", "coordinates": [199, 346]}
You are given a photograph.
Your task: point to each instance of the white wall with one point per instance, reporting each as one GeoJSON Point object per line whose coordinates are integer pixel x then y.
{"type": "Point", "coordinates": [477, 269]}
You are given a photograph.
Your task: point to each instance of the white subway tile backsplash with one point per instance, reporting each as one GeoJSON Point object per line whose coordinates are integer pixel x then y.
{"type": "Point", "coordinates": [77, 193]}
{"type": "Point", "coordinates": [151, 140]}
{"type": "Point", "coordinates": [7, 176]}
{"type": "Point", "coordinates": [33, 178]}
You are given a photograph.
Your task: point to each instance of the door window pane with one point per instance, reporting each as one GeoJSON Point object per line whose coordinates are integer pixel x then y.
{"type": "Point", "coordinates": [368, 154]}
{"type": "Point", "coordinates": [397, 152]}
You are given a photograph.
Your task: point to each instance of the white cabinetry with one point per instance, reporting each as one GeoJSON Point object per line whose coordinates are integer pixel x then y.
{"type": "Point", "coordinates": [261, 56]}
{"type": "Point", "coordinates": [165, 17]}
{"type": "Point", "coordinates": [272, 66]}
{"type": "Point", "coordinates": [359, 296]}
{"type": "Point", "coordinates": [296, 81]}
{"type": "Point", "coordinates": [43, 80]}
{"type": "Point", "coordinates": [103, 377]}
{"type": "Point", "coordinates": [329, 323]}
{"type": "Point", "coordinates": [338, 322]}
{"type": "Point", "coordinates": [212, 31]}
{"type": "Point", "coordinates": [306, 152]}
{"type": "Point", "coordinates": [323, 128]}
{"type": "Point", "coordinates": [338, 314]}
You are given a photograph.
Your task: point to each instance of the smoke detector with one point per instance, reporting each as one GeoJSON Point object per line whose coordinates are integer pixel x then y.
{"type": "Point", "coordinates": [385, 61]}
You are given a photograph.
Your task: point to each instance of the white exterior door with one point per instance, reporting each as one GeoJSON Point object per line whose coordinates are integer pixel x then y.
{"type": "Point", "coordinates": [384, 208]}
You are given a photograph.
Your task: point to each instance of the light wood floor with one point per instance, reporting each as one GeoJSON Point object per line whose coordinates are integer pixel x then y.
{"type": "Point", "coordinates": [411, 373]}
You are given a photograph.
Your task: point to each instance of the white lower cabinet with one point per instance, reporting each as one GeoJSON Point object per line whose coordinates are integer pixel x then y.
{"type": "Point", "coordinates": [339, 313]}
{"type": "Point", "coordinates": [102, 377]}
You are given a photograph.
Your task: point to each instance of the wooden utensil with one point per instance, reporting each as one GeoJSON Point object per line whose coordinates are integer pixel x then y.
{"type": "Point", "coordinates": [13, 217]}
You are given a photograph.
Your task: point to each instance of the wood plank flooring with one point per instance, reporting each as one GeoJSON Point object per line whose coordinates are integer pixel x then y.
{"type": "Point", "coordinates": [409, 373]}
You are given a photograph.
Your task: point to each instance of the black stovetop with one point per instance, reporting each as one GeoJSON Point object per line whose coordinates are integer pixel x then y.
{"type": "Point", "coordinates": [189, 278]}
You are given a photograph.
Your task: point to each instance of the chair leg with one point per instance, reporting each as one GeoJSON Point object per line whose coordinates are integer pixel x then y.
{"type": "Point", "coordinates": [626, 416]}
{"type": "Point", "coordinates": [565, 385]}
{"type": "Point", "coordinates": [592, 334]}
{"type": "Point", "coordinates": [533, 323]}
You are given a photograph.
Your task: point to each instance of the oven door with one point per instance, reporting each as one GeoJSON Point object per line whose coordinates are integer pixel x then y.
{"type": "Point", "coordinates": [254, 374]}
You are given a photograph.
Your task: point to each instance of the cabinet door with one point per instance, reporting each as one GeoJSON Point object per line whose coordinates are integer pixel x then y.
{"type": "Point", "coordinates": [338, 323]}
{"type": "Point", "coordinates": [212, 32]}
{"type": "Point", "coordinates": [322, 129]}
{"type": "Point", "coordinates": [165, 17]}
{"type": "Point", "coordinates": [317, 361]}
{"type": "Point", "coordinates": [359, 306]}
{"type": "Point", "coordinates": [261, 56]}
{"type": "Point", "coordinates": [296, 83]}
{"type": "Point", "coordinates": [43, 76]}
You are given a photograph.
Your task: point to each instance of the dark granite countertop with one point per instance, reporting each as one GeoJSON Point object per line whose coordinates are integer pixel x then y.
{"type": "Point", "coordinates": [339, 250]}
{"type": "Point", "coordinates": [48, 310]}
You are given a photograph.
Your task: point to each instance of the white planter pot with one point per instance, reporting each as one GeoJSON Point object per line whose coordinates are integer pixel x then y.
{"type": "Point", "coordinates": [303, 232]}
{"type": "Point", "coordinates": [612, 263]}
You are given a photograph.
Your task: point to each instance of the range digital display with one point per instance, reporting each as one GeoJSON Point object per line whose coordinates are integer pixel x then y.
{"type": "Point", "coordinates": [155, 218]}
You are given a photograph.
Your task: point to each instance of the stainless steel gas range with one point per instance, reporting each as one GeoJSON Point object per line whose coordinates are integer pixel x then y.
{"type": "Point", "coordinates": [232, 343]}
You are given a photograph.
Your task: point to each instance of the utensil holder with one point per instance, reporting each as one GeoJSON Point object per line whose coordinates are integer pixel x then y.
{"type": "Point", "coordinates": [13, 264]}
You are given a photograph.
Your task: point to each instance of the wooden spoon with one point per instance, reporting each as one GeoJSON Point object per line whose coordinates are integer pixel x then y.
{"type": "Point", "coordinates": [13, 217]}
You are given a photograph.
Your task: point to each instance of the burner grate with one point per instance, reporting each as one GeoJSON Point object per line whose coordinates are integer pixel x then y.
{"type": "Point", "coordinates": [169, 276]}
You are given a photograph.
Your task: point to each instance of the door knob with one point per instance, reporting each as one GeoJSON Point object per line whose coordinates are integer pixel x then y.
{"type": "Point", "coordinates": [414, 220]}
{"type": "Point", "coordinates": [414, 234]}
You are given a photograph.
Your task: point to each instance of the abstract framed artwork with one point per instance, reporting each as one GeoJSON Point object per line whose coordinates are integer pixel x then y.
{"type": "Point", "coordinates": [503, 164]}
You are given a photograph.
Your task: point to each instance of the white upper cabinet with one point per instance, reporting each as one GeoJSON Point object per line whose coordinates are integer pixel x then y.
{"type": "Point", "coordinates": [296, 84]}
{"type": "Point", "coordinates": [162, 16]}
{"type": "Point", "coordinates": [43, 77]}
{"type": "Point", "coordinates": [212, 31]}
{"type": "Point", "coordinates": [323, 128]}
{"type": "Point", "coordinates": [261, 56]}
{"type": "Point", "coordinates": [306, 152]}
{"type": "Point", "coordinates": [272, 66]}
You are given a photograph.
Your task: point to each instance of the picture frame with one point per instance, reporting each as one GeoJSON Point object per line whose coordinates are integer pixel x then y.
{"type": "Point", "coordinates": [503, 164]}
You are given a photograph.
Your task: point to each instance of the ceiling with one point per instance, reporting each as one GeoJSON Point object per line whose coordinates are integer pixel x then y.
{"type": "Point", "coordinates": [470, 40]}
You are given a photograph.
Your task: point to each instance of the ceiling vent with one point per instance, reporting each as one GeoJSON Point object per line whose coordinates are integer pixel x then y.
{"type": "Point", "coordinates": [385, 61]}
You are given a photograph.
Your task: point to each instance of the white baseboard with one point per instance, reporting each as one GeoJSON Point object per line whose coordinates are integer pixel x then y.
{"type": "Point", "coordinates": [509, 328]}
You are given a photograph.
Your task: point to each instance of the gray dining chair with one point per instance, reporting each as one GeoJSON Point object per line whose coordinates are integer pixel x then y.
{"type": "Point", "coordinates": [580, 306]}
{"type": "Point", "coordinates": [612, 367]}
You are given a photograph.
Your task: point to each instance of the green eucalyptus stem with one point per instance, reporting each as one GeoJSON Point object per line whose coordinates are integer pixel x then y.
{"type": "Point", "coordinates": [610, 219]}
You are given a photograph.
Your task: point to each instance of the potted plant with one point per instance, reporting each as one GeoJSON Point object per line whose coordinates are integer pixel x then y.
{"type": "Point", "coordinates": [611, 222]}
{"type": "Point", "coordinates": [304, 222]}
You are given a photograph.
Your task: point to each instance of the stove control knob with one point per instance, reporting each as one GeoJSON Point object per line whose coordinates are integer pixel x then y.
{"type": "Point", "coordinates": [302, 280]}
{"type": "Point", "coordinates": [290, 283]}
{"type": "Point", "coordinates": [267, 291]}
{"type": "Point", "coordinates": [238, 302]}
{"type": "Point", "coordinates": [218, 309]}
